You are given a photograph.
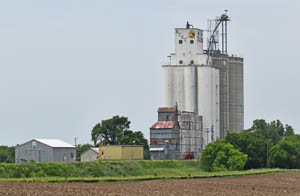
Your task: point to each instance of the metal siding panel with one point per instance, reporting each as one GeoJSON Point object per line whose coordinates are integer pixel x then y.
{"type": "Point", "coordinates": [42, 153]}
{"type": "Point", "coordinates": [89, 155]}
{"type": "Point", "coordinates": [110, 152]}
{"type": "Point", "coordinates": [59, 154]}
{"type": "Point", "coordinates": [132, 153]}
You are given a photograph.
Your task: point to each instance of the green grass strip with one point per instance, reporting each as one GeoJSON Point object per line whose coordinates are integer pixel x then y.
{"type": "Point", "coordinates": [144, 178]}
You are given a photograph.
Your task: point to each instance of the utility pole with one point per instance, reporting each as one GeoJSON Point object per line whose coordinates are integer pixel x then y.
{"type": "Point", "coordinates": [267, 164]}
{"type": "Point", "coordinates": [76, 141]}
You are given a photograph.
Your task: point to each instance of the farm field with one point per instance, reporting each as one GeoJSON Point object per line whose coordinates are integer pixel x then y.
{"type": "Point", "coordinates": [266, 184]}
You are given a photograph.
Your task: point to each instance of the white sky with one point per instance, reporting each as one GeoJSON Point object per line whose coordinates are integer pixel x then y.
{"type": "Point", "coordinates": [66, 65]}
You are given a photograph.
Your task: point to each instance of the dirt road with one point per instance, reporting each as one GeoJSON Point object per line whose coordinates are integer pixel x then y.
{"type": "Point", "coordinates": [270, 184]}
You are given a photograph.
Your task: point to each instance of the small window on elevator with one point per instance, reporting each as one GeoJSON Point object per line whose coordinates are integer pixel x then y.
{"type": "Point", "coordinates": [180, 41]}
{"type": "Point", "coordinates": [181, 62]}
{"type": "Point", "coordinates": [192, 62]}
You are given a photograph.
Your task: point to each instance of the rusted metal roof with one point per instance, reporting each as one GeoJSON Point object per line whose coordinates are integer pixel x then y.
{"type": "Point", "coordinates": [163, 125]}
{"type": "Point", "coordinates": [167, 109]}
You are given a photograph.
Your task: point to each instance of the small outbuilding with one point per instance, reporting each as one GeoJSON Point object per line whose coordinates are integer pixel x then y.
{"type": "Point", "coordinates": [45, 150]}
{"type": "Point", "coordinates": [121, 152]}
{"type": "Point", "coordinates": [91, 154]}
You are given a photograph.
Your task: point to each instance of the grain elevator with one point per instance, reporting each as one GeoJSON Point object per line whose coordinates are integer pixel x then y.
{"type": "Point", "coordinates": [203, 80]}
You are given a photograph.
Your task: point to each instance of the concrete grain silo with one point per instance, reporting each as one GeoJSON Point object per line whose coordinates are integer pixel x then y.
{"type": "Point", "coordinates": [192, 84]}
{"type": "Point", "coordinates": [208, 85]}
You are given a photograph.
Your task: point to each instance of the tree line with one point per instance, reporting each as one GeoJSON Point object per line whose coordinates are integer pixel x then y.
{"type": "Point", "coordinates": [264, 145]}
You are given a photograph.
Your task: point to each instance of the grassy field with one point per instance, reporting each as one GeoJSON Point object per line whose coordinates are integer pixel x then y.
{"type": "Point", "coordinates": [111, 171]}
{"type": "Point", "coordinates": [98, 169]}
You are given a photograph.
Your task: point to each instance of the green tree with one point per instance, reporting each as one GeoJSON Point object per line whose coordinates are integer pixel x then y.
{"type": "Point", "coordinates": [116, 131]}
{"type": "Point", "coordinates": [96, 133]}
{"type": "Point", "coordinates": [249, 143]}
{"type": "Point", "coordinates": [257, 141]}
{"type": "Point", "coordinates": [136, 138]}
{"type": "Point", "coordinates": [286, 154]}
{"type": "Point", "coordinates": [289, 131]}
{"type": "Point", "coordinates": [7, 154]}
{"type": "Point", "coordinates": [81, 149]}
{"type": "Point", "coordinates": [274, 131]}
{"type": "Point", "coordinates": [110, 130]}
{"type": "Point", "coordinates": [222, 156]}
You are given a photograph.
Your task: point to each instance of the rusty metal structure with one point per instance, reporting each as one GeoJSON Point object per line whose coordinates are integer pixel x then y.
{"type": "Point", "coordinates": [176, 135]}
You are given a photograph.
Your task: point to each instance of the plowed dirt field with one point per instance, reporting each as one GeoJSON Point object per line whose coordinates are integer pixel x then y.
{"type": "Point", "coordinates": [269, 184]}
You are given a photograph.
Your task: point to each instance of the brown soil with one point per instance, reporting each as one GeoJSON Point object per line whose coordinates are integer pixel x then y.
{"type": "Point", "coordinates": [270, 184]}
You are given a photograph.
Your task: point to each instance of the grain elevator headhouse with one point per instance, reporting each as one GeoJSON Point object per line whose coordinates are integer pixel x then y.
{"type": "Point", "coordinates": [189, 82]}
{"type": "Point", "coordinates": [205, 81]}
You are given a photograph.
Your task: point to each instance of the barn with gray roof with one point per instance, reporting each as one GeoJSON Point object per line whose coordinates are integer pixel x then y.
{"type": "Point", "coordinates": [45, 150]}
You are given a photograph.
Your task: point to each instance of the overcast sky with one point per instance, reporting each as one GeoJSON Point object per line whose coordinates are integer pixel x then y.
{"type": "Point", "coordinates": [66, 65]}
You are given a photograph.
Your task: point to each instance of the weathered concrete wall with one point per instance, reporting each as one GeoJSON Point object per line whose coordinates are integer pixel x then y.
{"type": "Point", "coordinates": [236, 94]}
{"type": "Point", "coordinates": [188, 48]}
{"type": "Point", "coordinates": [231, 93]}
{"type": "Point", "coordinates": [218, 63]}
{"type": "Point", "coordinates": [179, 84]}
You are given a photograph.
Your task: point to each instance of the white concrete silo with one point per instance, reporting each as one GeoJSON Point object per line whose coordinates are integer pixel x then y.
{"type": "Point", "coordinates": [191, 84]}
{"type": "Point", "coordinates": [208, 101]}
{"type": "Point", "coordinates": [179, 87]}
{"type": "Point", "coordinates": [167, 86]}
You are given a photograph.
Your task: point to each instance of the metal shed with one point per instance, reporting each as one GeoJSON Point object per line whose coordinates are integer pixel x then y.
{"type": "Point", "coordinates": [45, 150]}
{"type": "Point", "coordinates": [91, 154]}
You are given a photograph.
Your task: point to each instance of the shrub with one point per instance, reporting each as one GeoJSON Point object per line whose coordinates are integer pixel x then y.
{"type": "Point", "coordinates": [286, 154]}
{"type": "Point", "coordinates": [94, 169]}
{"type": "Point", "coordinates": [221, 156]}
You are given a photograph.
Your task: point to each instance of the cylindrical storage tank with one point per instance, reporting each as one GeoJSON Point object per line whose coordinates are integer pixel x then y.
{"type": "Point", "coordinates": [208, 102]}
{"type": "Point", "coordinates": [190, 89]}
{"type": "Point", "coordinates": [167, 86]}
{"type": "Point", "coordinates": [178, 87]}
{"type": "Point", "coordinates": [217, 87]}
{"type": "Point", "coordinates": [236, 93]}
